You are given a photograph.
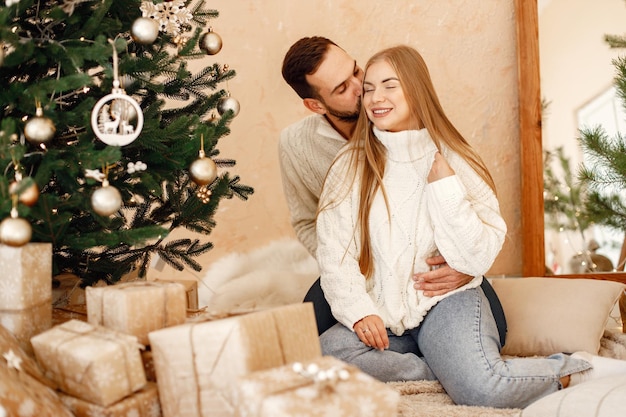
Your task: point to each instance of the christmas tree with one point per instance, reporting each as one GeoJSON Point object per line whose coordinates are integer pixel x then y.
{"type": "Point", "coordinates": [108, 142]}
{"type": "Point", "coordinates": [605, 170]}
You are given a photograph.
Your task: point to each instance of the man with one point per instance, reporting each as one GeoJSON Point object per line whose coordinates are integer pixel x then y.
{"type": "Point", "coordinates": [329, 81]}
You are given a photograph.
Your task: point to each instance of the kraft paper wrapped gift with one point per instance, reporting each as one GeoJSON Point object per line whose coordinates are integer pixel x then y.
{"type": "Point", "coordinates": [27, 323]}
{"type": "Point", "coordinates": [143, 403]}
{"type": "Point", "coordinates": [191, 290]}
{"type": "Point", "coordinates": [90, 362]}
{"type": "Point", "coordinates": [198, 361]}
{"type": "Point", "coordinates": [285, 392]}
{"type": "Point", "coordinates": [137, 308]}
{"type": "Point", "coordinates": [26, 290]}
{"type": "Point", "coordinates": [24, 390]}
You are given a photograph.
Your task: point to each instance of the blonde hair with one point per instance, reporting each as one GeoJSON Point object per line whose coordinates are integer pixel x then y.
{"type": "Point", "coordinates": [368, 156]}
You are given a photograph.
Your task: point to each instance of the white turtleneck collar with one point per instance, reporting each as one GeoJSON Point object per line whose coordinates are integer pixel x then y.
{"type": "Point", "coordinates": [406, 145]}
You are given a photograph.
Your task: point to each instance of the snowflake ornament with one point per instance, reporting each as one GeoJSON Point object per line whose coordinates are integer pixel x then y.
{"type": "Point", "coordinates": [170, 15]}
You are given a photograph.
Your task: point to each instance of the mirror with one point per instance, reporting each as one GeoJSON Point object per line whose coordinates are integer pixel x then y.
{"type": "Point", "coordinates": [531, 157]}
{"type": "Point", "coordinates": [576, 76]}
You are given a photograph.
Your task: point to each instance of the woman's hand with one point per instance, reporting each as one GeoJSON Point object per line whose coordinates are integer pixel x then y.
{"type": "Point", "coordinates": [371, 330]}
{"type": "Point", "coordinates": [440, 169]}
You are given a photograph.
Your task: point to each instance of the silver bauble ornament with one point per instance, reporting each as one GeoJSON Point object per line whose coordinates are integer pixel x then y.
{"type": "Point", "coordinates": [15, 231]}
{"type": "Point", "coordinates": [144, 30]}
{"type": "Point", "coordinates": [106, 200]}
{"type": "Point", "coordinates": [228, 103]}
{"type": "Point", "coordinates": [211, 43]}
{"type": "Point", "coordinates": [39, 129]}
{"type": "Point", "coordinates": [203, 171]}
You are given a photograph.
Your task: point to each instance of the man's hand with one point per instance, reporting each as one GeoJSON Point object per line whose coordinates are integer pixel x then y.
{"type": "Point", "coordinates": [441, 279]}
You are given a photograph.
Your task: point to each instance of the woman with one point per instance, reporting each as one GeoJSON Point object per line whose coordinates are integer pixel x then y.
{"type": "Point", "coordinates": [406, 186]}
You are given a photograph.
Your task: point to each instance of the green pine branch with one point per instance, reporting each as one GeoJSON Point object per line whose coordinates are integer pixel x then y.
{"type": "Point", "coordinates": [64, 61]}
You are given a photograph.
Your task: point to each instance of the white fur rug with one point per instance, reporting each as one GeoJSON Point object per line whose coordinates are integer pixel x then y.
{"type": "Point", "coordinates": [277, 274]}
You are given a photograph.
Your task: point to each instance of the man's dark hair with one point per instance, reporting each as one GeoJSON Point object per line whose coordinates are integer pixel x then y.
{"type": "Point", "coordinates": [304, 58]}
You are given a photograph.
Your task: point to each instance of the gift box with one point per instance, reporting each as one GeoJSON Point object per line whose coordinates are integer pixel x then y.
{"type": "Point", "coordinates": [90, 362]}
{"type": "Point", "coordinates": [197, 362]}
{"type": "Point", "coordinates": [143, 403]}
{"type": "Point", "coordinates": [28, 322]}
{"type": "Point", "coordinates": [26, 290]}
{"type": "Point", "coordinates": [191, 291]}
{"type": "Point", "coordinates": [137, 308]}
{"type": "Point", "coordinates": [24, 390]}
{"type": "Point", "coordinates": [327, 386]}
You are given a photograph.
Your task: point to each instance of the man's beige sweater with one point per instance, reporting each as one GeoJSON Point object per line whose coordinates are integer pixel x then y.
{"type": "Point", "coordinates": [306, 150]}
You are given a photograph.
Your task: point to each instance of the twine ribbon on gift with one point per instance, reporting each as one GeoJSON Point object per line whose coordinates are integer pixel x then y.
{"type": "Point", "coordinates": [93, 331]}
{"type": "Point", "coordinates": [193, 322]}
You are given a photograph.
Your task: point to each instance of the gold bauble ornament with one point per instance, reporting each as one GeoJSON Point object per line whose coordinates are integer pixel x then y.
{"type": "Point", "coordinates": [211, 42]}
{"type": "Point", "coordinates": [28, 196]}
{"type": "Point", "coordinates": [15, 231]}
{"type": "Point", "coordinates": [106, 200]}
{"type": "Point", "coordinates": [203, 171]}
{"type": "Point", "coordinates": [144, 30]}
{"type": "Point", "coordinates": [39, 129]}
{"type": "Point", "coordinates": [228, 103]}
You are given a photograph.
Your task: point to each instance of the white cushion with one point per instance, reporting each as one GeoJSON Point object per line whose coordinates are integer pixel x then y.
{"type": "Point", "coordinates": [604, 397]}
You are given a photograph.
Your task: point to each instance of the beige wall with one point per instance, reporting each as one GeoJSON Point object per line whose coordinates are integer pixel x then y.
{"type": "Point", "coordinates": [470, 50]}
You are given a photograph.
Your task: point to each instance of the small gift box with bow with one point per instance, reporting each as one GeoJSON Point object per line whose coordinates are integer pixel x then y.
{"type": "Point", "coordinates": [138, 307]}
{"type": "Point", "coordinates": [326, 386]}
{"type": "Point", "coordinates": [90, 362]}
{"type": "Point", "coordinates": [197, 362]}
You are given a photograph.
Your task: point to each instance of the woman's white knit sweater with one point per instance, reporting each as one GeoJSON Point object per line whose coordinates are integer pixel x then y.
{"type": "Point", "coordinates": [458, 215]}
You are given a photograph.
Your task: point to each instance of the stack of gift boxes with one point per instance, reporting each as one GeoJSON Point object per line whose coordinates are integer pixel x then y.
{"type": "Point", "coordinates": [139, 353]}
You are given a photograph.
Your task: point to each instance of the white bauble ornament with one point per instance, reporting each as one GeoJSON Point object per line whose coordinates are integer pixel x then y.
{"type": "Point", "coordinates": [211, 43]}
{"type": "Point", "coordinates": [144, 30]}
{"type": "Point", "coordinates": [15, 231]}
{"type": "Point", "coordinates": [228, 103]}
{"type": "Point", "coordinates": [106, 200]}
{"type": "Point", "coordinates": [203, 171]}
{"type": "Point", "coordinates": [39, 129]}
{"type": "Point", "coordinates": [117, 119]}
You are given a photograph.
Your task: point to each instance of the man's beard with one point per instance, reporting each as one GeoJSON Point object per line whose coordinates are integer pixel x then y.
{"type": "Point", "coordinates": [345, 116]}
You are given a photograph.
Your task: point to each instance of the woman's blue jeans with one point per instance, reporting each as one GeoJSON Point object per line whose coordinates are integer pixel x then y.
{"type": "Point", "coordinates": [460, 348]}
